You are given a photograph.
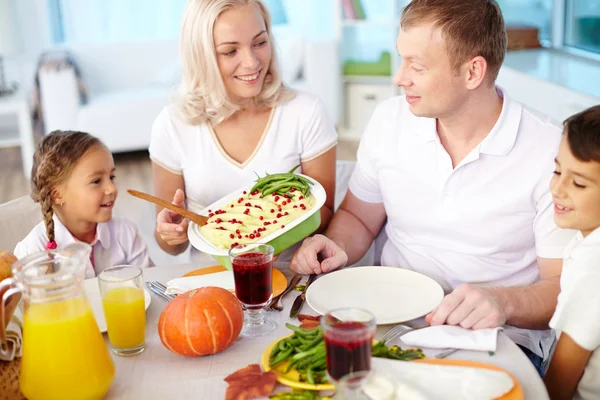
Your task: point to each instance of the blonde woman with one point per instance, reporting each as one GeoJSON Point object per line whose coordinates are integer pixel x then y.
{"type": "Point", "coordinates": [232, 116]}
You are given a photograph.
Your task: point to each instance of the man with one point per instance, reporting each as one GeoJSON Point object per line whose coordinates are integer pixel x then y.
{"type": "Point", "coordinates": [460, 172]}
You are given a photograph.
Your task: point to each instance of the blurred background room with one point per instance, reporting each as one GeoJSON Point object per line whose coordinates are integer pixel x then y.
{"type": "Point", "coordinates": [107, 67]}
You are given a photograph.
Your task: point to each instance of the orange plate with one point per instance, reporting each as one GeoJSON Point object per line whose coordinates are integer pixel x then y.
{"type": "Point", "coordinates": [515, 394]}
{"type": "Point", "coordinates": [279, 281]}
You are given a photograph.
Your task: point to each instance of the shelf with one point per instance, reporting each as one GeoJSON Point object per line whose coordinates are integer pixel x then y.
{"type": "Point", "coordinates": [368, 79]}
{"type": "Point", "coordinates": [367, 22]}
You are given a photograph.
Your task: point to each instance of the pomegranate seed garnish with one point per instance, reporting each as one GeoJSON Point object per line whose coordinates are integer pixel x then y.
{"type": "Point", "coordinates": [283, 203]}
{"type": "Point", "coordinates": [279, 215]}
{"type": "Point", "coordinates": [286, 213]}
{"type": "Point", "coordinates": [295, 206]}
{"type": "Point", "coordinates": [261, 217]}
{"type": "Point", "coordinates": [274, 221]}
{"type": "Point", "coordinates": [232, 206]}
{"type": "Point", "coordinates": [239, 236]}
{"type": "Point", "coordinates": [210, 215]}
{"type": "Point", "coordinates": [272, 210]}
{"type": "Point", "coordinates": [252, 236]}
{"type": "Point", "coordinates": [244, 192]}
{"type": "Point", "coordinates": [232, 236]}
{"type": "Point", "coordinates": [282, 226]}
{"type": "Point", "coordinates": [258, 235]}
{"type": "Point", "coordinates": [301, 198]}
{"type": "Point", "coordinates": [276, 198]}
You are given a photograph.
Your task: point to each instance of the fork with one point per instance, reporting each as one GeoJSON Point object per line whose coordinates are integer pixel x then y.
{"type": "Point", "coordinates": [401, 329]}
{"type": "Point", "coordinates": [274, 304]}
{"type": "Point", "coordinates": [160, 289]}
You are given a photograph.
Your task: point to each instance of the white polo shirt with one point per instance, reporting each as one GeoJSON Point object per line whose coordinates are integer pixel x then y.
{"type": "Point", "coordinates": [483, 222]}
{"type": "Point", "coordinates": [117, 243]}
{"type": "Point", "coordinates": [579, 306]}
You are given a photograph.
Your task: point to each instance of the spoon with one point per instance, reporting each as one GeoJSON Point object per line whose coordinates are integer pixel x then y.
{"type": "Point", "coordinates": [192, 216]}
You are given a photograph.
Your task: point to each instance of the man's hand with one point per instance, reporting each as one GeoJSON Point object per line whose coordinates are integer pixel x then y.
{"type": "Point", "coordinates": [470, 307]}
{"type": "Point", "coordinates": [305, 259]}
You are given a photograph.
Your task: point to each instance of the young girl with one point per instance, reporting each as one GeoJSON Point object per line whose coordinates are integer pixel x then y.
{"type": "Point", "coordinates": [73, 180]}
{"type": "Point", "coordinates": [575, 367]}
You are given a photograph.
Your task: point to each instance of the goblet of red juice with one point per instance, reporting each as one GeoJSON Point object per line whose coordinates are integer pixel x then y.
{"type": "Point", "coordinates": [349, 336]}
{"type": "Point", "coordinates": [252, 266]}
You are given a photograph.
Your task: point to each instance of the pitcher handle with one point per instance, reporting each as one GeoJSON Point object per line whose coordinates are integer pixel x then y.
{"type": "Point", "coordinates": [7, 291]}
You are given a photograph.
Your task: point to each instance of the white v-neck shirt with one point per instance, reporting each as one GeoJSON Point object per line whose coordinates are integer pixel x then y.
{"type": "Point", "coordinates": [117, 243]}
{"type": "Point", "coordinates": [298, 130]}
{"type": "Point", "coordinates": [578, 306]}
{"type": "Point", "coordinates": [484, 222]}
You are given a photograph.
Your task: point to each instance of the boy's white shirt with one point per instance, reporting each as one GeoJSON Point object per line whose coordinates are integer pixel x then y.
{"type": "Point", "coordinates": [485, 221]}
{"type": "Point", "coordinates": [578, 310]}
{"type": "Point", "coordinates": [117, 242]}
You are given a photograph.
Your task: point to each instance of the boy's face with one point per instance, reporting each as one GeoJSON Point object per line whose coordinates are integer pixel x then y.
{"type": "Point", "coordinates": [575, 188]}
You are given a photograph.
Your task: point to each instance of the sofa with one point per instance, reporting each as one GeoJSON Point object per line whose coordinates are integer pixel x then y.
{"type": "Point", "coordinates": [129, 83]}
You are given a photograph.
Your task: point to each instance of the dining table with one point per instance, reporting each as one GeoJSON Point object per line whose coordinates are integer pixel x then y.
{"type": "Point", "coordinates": [157, 373]}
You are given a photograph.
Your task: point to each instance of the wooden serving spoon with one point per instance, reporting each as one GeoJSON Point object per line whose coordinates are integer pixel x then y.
{"type": "Point", "coordinates": [192, 216]}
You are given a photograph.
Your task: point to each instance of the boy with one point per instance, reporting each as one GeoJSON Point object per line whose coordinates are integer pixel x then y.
{"type": "Point", "coordinates": [575, 367]}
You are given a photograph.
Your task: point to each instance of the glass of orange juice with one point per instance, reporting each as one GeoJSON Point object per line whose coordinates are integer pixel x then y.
{"type": "Point", "coordinates": [122, 291]}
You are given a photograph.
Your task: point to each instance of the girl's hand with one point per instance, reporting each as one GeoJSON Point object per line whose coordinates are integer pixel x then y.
{"type": "Point", "coordinates": [171, 226]}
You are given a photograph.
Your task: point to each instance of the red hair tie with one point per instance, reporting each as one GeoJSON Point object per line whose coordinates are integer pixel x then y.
{"type": "Point", "coordinates": [51, 245]}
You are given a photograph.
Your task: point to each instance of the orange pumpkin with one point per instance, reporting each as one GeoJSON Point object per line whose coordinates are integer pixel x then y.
{"type": "Point", "coordinates": [201, 322]}
{"type": "Point", "coordinates": [6, 261]}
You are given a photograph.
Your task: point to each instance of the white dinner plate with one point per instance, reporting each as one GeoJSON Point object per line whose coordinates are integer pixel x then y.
{"type": "Point", "coordinates": [393, 295]}
{"type": "Point", "coordinates": [92, 292]}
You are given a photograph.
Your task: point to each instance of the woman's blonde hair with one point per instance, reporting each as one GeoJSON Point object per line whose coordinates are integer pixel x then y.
{"type": "Point", "coordinates": [201, 96]}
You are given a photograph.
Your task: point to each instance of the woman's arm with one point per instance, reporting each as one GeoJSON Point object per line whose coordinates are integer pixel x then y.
{"type": "Point", "coordinates": [171, 228]}
{"type": "Point", "coordinates": [566, 368]}
{"type": "Point", "coordinates": [322, 169]}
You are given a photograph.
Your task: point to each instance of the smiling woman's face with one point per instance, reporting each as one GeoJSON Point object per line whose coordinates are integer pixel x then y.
{"type": "Point", "coordinates": [243, 51]}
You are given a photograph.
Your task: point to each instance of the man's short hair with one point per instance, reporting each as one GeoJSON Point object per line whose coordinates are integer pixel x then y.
{"type": "Point", "coordinates": [470, 28]}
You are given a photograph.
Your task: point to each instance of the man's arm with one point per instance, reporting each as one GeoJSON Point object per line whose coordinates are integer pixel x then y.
{"type": "Point", "coordinates": [529, 307]}
{"type": "Point", "coordinates": [356, 225]}
{"type": "Point", "coordinates": [351, 231]}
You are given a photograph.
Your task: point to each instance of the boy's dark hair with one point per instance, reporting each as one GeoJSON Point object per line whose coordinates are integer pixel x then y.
{"type": "Point", "coordinates": [583, 134]}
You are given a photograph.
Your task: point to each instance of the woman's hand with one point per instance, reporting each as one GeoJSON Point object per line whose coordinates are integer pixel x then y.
{"type": "Point", "coordinates": [171, 226]}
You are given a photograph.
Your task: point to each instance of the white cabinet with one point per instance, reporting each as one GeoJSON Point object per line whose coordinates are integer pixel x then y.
{"type": "Point", "coordinates": [360, 102]}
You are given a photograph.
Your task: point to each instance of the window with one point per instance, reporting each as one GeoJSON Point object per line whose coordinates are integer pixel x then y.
{"type": "Point", "coordinates": [582, 29]}
{"type": "Point", "coordinates": [101, 21]}
{"type": "Point", "coordinates": [536, 13]}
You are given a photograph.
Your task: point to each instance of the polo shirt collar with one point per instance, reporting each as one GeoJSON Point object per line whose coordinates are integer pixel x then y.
{"type": "Point", "coordinates": [501, 138]}
{"type": "Point", "coordinates": [63, 237]}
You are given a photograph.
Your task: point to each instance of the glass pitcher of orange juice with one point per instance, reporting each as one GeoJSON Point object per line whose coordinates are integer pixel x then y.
{"type": "Point", "coordinates": [64, 353]}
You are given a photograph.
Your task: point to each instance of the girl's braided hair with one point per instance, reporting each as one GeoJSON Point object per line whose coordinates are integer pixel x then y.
{"type": "Point", "coordinates": [53, 162]}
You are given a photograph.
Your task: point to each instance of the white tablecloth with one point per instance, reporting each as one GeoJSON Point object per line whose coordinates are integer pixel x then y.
{"type": "Point", "coordinates": [159, 374]}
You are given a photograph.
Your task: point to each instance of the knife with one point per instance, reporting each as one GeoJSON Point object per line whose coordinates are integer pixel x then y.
{"type": "Point", "coordinates": [301, 297]}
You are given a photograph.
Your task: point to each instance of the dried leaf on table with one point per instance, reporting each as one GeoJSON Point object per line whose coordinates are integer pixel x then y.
{"type": "Point", "coordinates": [250, 383]}
{"type": "Point", "coordinates": [309, 321]}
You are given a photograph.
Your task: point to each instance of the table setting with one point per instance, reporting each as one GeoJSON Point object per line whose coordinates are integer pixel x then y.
{"type": "Point", "coordinates": [248, 327]}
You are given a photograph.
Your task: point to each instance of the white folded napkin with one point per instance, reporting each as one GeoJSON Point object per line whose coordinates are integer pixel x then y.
{"type": "Point", "coordinates": [446, 382]}
{"type": "Point", "coordinates": [222, 279]}
{"type": "Point", "coordinates": [14, 336]}
{"type": "Point", "coordinates": [455, 337]}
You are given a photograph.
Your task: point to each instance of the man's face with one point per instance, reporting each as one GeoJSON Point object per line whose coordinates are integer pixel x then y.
{"type": "Point", "coordinates": [433, 89]}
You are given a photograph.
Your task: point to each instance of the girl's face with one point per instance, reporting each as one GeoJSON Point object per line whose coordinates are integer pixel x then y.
{"type": "Point", "coordinates": [89, 194]}
{"type": "Point", "coordinates": [243, 51]}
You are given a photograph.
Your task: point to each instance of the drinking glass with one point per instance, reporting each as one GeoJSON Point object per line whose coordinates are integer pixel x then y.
{"type": "Point", "coordinates": [122, 292]}
{"type": "Point", "coordinates": [349, 335]}
{"type": "Point", "coordinates": [365, 385]}
{"type": "Point", "coordinates": [252, 266]}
